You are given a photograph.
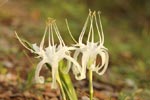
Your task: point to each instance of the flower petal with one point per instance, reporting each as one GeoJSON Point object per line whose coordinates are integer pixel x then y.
{"type": "Point", "coordinates": [104, 65]}
{"type": "Point", "coordinates": [22, 42]}
{"type": "Point", "coordinates": [35, 47]}
{"type": "Point", "coordinates": [85, 59]}
{"type": "Point", "coordinates": [39, 79]}
{"type": "Point", "coordinates": [76, 69]}
{"type": "Point", "coordinates": [54, 74]}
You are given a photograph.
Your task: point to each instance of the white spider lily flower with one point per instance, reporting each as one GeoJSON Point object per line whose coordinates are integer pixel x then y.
{"type": "Point", "coordinates": [91, 50]}
{"type": "Point", "coordinates": [52, 54]}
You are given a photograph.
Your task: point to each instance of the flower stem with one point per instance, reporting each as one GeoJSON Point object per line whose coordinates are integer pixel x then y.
{"type": "Point", "coordinates": [61, 88]}
{"type": "Point", "coordinates": [67, 86]}
{"type": "Point", "coordinates": [91, 84]}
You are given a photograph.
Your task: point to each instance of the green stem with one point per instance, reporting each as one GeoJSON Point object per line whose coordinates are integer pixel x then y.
{"type": "Point", "coordinates": [91, 84]}
{"type": "Point", "coordinates": [61, 88]}
{"type": "Point", "coordinates": [66, 85]}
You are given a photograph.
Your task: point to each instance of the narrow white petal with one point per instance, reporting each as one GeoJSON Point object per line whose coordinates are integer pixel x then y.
{"type": "Point", "coordinates": [39, 79]}
{"type": "Point", "coordinates": [78, 74]}
{"type": "Point", "coordinates": [76, 54]}
{"type": "Point", "coordinates": [36, 48]}
{"type": "Point", "coordinates": [73, 61]}
{"type": "Point", "coordinates": [54, 75]}
{"type": "Point", "coordinates": [105, 60]}
{"type": "Point", "coordinates": [43, 39]}
{"type": "Point", "coordinates": [71, 48]}
{"type": "Point", "coordinates": [76, 69]}
{"type": "Point", "coordinates": [85, 58]}
{"type": "Point", "coordinates": [22, 42]}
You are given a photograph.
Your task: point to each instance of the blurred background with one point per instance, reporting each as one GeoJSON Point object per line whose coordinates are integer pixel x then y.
{"type": "Point", "coordinates": [126, 25]}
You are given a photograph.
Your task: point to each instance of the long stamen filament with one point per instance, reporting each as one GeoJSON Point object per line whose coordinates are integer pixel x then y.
{"type": "Point", "coordinates": [52, 36]}
{"type": "Point", "coordinates": [92, 27]}
{"type": "Point", "coordinates": [97, 28]}
{"type": "Point", "coordinates": [58, 35]}
{"type": "Point", "coordinates": [49, 38]}
{"type": "Point", "coordinates": [42, 42]}
{"type": "Point", "coordinates": [101, 27]}
{"type": "Point", "coordinates": [70, 32]}
{"type": "Point", "coordinates": [84, 28]}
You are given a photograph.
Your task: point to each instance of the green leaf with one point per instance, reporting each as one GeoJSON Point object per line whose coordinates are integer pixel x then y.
{"type": "Point", "coordinates": [67, 84]}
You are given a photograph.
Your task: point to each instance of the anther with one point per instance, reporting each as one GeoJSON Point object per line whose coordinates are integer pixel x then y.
{"type": "Point", "coordinates": [90, 12]}
{"type": "Point", "coordinates": [94, 13]}
{"type": "Point", "coordinates": [50, 21]}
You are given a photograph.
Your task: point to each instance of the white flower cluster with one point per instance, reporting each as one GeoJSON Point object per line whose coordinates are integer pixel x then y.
{"type": "Point", "coordinates": [54, 53]}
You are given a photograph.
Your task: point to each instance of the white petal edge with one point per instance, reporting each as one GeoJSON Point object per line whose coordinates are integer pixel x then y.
{"type": "Point", "coordinates": [39, 79]}
{"type": "Point", "coordinates": [54, 75]}
{"type": "Point", "coordinates": [105, 60]}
